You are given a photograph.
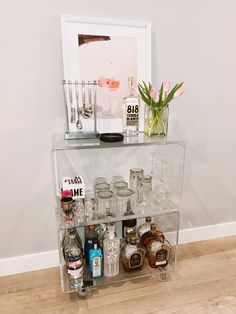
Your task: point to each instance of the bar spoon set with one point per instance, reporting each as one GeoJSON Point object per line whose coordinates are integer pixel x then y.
{"type": "Point", "coordinates": [80, 101]}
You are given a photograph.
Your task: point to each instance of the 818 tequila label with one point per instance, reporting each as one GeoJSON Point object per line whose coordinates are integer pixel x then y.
{"type": "Point", "coordinates": [132, 115]}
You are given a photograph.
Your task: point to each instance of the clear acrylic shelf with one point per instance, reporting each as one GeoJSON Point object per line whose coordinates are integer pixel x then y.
{"type": "Point", "coordinates": [59, 143]}
{"type": "Point", "coordinates": [92, 158]}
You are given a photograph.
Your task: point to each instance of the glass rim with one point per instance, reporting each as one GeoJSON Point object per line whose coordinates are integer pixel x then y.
{"type": "Point", "coordinates": [121, 192]}
{"type": "Point", "coordinates": [105, 194]}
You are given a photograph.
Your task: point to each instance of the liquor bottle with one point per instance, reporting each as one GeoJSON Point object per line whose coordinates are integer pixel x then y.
{"type": "Point", "coordinates": [95, 262]}
{"type": "Point", "coordinates": [131, 107]}
{"type": "Point", "coordinates": [74, 262]}
{"type": "Point", "coordinates": [150, 235]}
{"type": "Point", "coordinates": [132, 255]}
{"type": "Point", "coordinates": [158, 252]}
{"type": "Point", "coordinates": [111, 253]}
{"type": "Point", "coordinates": [144, 227]}
{"type": "Point", "coordinates": [91, 237]}
{"type": "Point", "coordinates": [110, 229]}
{"type": "Point", "coordinates": [129, 223]}
{"type": "Point", "coordinates": [66, 239]}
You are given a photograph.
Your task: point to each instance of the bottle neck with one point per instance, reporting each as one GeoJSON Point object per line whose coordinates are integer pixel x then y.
{"type": "Point", "coordinates": [131, 86]}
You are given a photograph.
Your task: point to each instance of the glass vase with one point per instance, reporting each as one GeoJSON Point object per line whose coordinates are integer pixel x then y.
{"type": "Point", "coordinates": [156, 121]}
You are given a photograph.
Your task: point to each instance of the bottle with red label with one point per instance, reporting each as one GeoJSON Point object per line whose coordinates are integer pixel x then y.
{"type": "Point", "coordinates": [74, 262]}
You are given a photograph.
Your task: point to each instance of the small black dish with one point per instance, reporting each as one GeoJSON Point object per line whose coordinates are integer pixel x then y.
{"type": "Point", "coordinates": [111, 137]}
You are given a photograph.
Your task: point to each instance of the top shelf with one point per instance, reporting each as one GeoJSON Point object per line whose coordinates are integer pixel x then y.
{"type": "Point", "coordinates": [59, 143]}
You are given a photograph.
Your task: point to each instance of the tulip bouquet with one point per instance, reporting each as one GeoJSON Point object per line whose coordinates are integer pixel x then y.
{"type": "Point", "coordinates": [157, 101]}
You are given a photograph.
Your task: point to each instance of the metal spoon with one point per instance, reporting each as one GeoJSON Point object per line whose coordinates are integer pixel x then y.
{"type": "Point", "coordinates": [86, 112]}
{"type": "Point", "coordinates": [72, 109]}
{"type": "Point", "coordinates": [79, 124]}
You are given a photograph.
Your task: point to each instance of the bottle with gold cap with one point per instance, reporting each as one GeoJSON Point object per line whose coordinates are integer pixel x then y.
{"type": "Point", "coordinates": [144, 227]}
{"type": "Point", "coordinates": [158, 252]}
{"type": "Point", "coordinates": [150, 235]}
{"type": "Point", "coordinates": [132, 255]}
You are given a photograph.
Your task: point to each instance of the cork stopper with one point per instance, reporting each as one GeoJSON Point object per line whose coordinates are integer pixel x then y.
{"type": "Point", "coordinates": [133, 240]}
{"type": "Point", "coordinates": [160, 235]}
{"type": "Point", "coordinates": [153, 227]}
{"type": "Point", "coordinates": [91, 227]}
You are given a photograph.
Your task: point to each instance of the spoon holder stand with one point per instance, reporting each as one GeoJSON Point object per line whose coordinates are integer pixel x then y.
{"type": "Point", "coordinates": [81, 96]}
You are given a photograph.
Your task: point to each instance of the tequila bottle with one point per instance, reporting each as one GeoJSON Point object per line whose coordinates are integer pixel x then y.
{"type": "Point", "coordinates": [74, 262]}
{"type": "Point", "coordinates": [111, 252]}
{"type": "Point", "coordinates": [133, 255]}
{"type": "Point", "coordinates": [131, 108]}
{"type": "Point", "coordinates": [95, 262]}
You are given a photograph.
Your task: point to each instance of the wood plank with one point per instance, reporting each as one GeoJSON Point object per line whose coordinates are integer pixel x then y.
{"type": "Point", "coordinates": [204, 282]}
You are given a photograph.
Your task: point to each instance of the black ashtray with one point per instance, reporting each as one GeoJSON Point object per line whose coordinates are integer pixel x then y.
{"type": "Point", "coordinates": [111, 137]}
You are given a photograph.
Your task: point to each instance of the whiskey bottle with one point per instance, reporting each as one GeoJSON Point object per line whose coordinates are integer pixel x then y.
{"type": "Point", "coordinates": [133, 255]}
{"type": "Point", "coordinates": [158, 252]}
{"type": "Point", "coordinates": [95, 262]}
{"type": "Point", "coordinates": [131, 107]}
{"type": "Point", "coordinates": [151, 235]}
{"type": "Point", "coordinates": [74, 262]}
{"type": "Point", "coordinates": [111, 253]}
{"type": "Point", "coordinates": [144, 227]}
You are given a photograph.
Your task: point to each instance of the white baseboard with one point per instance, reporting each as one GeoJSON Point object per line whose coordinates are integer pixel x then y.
{"type": "Point", "coordinates": [207, 232]}
{"type": "Point", "coordinates": [26, 263]}
{"type": "Point", "coordinates": [31, 262]}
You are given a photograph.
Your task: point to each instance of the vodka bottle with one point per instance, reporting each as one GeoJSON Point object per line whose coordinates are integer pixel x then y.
{"type": "Point", "coordinates": [74, 262]}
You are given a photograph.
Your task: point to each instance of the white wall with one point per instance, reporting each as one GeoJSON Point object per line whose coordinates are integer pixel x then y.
{"type": "Point", "coordinates": [193, 41]}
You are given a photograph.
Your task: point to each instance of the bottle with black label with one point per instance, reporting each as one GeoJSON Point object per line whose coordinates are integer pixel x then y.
{"type": "Point", "coordinates": [131, 108]}
{"type": "Point", "coordinates": [132, 255]}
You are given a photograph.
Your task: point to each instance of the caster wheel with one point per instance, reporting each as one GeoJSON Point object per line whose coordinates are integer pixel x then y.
{"type": "Point", "coordinates": [162, 274]}
{"type": "Point", "coordinates": [84, 292]}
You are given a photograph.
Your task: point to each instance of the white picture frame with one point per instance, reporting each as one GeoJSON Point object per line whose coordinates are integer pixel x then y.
{"type": "Point", "coordinates": [71, 26]}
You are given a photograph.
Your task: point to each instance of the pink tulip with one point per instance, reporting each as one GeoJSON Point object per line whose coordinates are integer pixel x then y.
{"type": "Point", "coordinates": [154, 93]}
{"type": "Point", "coordinates": [179, 92]}
{"type": "Point", "coordinates": [166, 86]}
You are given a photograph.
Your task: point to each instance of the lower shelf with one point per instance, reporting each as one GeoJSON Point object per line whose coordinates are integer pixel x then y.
{"type": "Point", "coordinates": [123, 276]}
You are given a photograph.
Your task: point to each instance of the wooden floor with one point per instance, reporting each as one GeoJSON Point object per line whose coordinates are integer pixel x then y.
{"type": "Point", "coordinates": [204, 282]}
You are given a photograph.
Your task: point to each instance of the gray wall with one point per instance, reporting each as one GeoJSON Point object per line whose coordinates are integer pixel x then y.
{"type": "Point", "coordinates": [193, 41]}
